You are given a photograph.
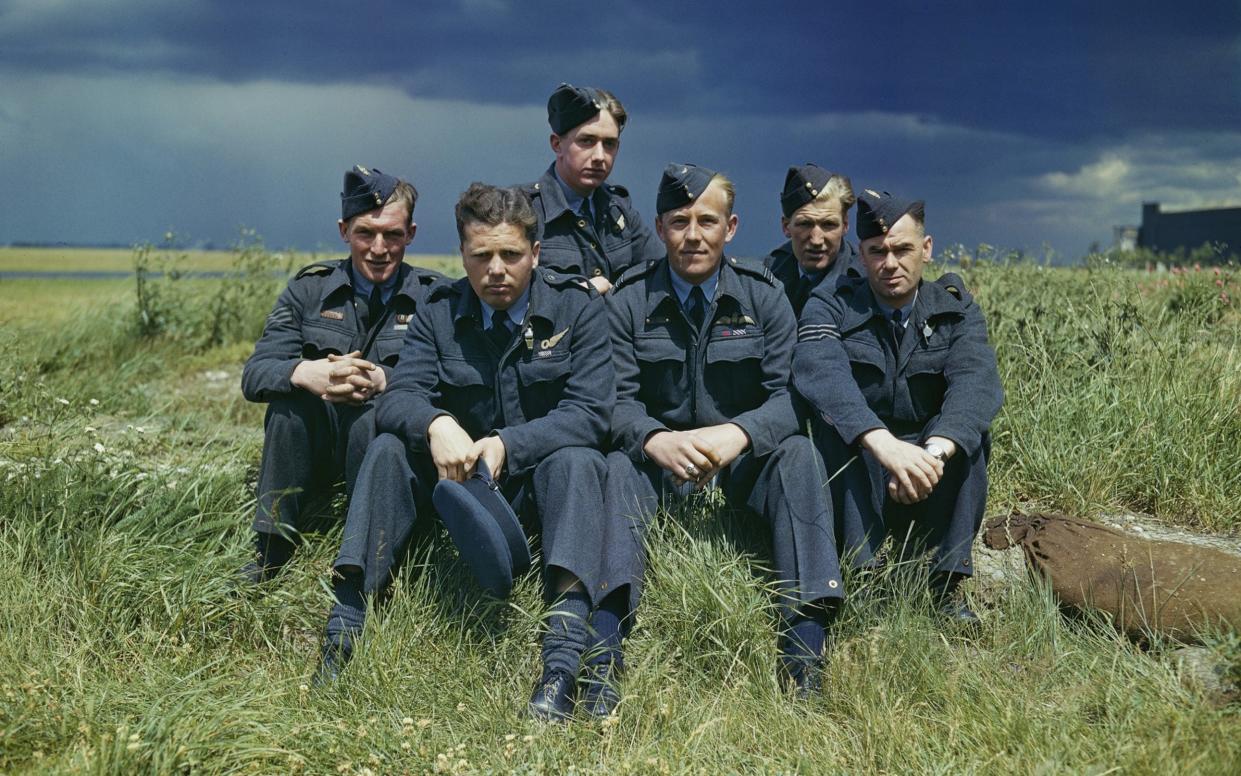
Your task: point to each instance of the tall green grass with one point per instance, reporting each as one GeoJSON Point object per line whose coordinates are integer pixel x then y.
{"type": "Point", "coordinates": [126, 475]}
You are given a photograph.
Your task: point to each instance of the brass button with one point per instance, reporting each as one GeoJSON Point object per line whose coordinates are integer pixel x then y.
{"type": "Point", "coordinates": [809, 184]}
{"type": "Point", "coordinates": [833, 584]}
{"type": "Point", "coordinates": [597, 272]}
{"type": "Point", "coordinates": [965, 562]}
{"type": "Point", "coordinates": [581, 223]}
{"type": "Point", "coordinates": [592, 245]}
{"type": "Point", "coordinates": [603, 585]}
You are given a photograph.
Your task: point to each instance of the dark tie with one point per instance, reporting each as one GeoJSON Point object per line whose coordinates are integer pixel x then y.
{"type": "Point", "coordinates": [499, 333]}
{"type": "Point", "coordinates": [898, 328]}
{"type": "Point", "coordinates": [374, 308]}
{"type": "Point", "coordinates": [696, 307]}
{"type": "Point", "coordinates": [800, 294]}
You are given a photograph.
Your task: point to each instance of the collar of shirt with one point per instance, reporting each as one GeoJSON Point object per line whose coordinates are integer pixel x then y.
{"type": "Point", "coordinates": [813, 277]}
{"type": "Point", "coordinates": [571, 197]}
{"type": "Point", "coordinates": [906, 311]}
{"type": "Point", "coordinates": [681, 287]}
{"type": "Point", "coordinates": [362, 287]}
{"type": "Point", "coordinates": [516, 311]}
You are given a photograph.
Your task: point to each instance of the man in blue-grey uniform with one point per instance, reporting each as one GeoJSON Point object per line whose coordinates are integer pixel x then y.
{"type": "Point", "coordinates": [703, 346]}
{"type": "Point", "coordinates": [511, 366]}
{"type": "Point", "coordinates": [328, 349]}
{"type": "Point", "coordinates": [587, 226]}
{"type": "Point", "coordinates": [815, 204]}
{"type": "Point", "coordinates": [903, 386]}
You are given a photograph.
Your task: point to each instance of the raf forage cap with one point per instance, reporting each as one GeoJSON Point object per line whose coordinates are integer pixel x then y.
{"type": "Point", "coordinates": [680, 185]}
{"type": "Point", "coordinates": [571, 106]}
{"type": "Point", "coordinates": [802, 186]}
{"type": "Point", "coordinates": [877, 211]}
{"type": "Point", "coordinates": [364, 190]}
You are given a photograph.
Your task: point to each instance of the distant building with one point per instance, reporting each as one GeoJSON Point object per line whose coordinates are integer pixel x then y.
{"type": "Point", "coordinates": [1125, 238]}
{"type": "Point", "coordinates": [1186, 230]}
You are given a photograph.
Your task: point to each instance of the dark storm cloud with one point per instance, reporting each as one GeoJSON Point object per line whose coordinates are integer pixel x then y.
{"type": "Point", "coordinates": [1055, 69]}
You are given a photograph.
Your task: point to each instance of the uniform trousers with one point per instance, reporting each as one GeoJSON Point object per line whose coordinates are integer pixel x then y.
{"type": "Point", "coordinates": [942, 525]}
{"type": "Point", "coordinates": [309, 447]}
{"type": "Point", "coordinates": [563, 495]}
{"type": "Point", "coordinates": [786, 488]}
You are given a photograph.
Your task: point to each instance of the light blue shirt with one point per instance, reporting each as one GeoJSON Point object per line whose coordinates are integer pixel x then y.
{"type": "Point", "coordinates": [906, 311]}
{"type": "Point", "coordinates": [813, 277]}
{"type": "Point", "coordinates": [516, 311]}
{"type": "Point", "coordinates": [573, 199]}
{"type": "Point", "coordinates": [362, 287]}
{"type": "Point", "coordinates": [682, 287]}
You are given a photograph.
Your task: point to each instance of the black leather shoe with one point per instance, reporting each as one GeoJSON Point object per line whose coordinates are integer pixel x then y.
{"type": "Point", "coordinates": [331, 664]}
{"type": "Point", "coordinates": [253, 573]}
{"type": "Point", "coordinates": [804, 678]}
{"type": "Point", "coordinates": [950, 604]}
{"type": "Point", "coordinates": [957, 614]}
{"type": "Point", "coordinates": [600, 691]}
{"type": "Point", "coordinates": [552, 699]}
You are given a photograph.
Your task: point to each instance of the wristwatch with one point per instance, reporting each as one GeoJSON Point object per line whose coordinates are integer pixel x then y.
{"type": "Point", "coordinates": [937, 451]}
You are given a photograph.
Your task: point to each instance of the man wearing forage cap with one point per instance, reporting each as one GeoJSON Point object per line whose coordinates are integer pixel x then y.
{"type": "Point", "coordinates": [505, 385]}
{"type": "Point", "coordinates": [587, 226]}
{"type": "Point", "coordinates": [703, 346]}
{"type": "Point", "coordinates": [327, 350]}
{"type": "Point", "coordinates": [815, 204]}
{"type": "Point", "coordinates": [903, 386]}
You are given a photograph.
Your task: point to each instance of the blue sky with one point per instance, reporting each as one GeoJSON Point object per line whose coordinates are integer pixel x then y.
{"type": "Point", "coordinates": [1022, 125]}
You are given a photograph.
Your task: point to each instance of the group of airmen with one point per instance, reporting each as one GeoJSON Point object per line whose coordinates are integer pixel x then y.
{"type": "Point", "coordinates": [588, 369]}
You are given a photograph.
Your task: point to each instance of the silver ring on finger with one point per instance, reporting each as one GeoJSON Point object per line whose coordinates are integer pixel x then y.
{"type": "Point", "coordinates": [691, 471]}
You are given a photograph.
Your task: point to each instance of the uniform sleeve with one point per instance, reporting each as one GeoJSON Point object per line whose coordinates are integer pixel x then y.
{"type": "Point", "coordinates": [268, 371]}
{"type": "Point", "coordinates": [822, 374]}
{"type": "Point", "coordinates": [774, 420]}
{"type": "Point", "coordinates": [408, 406]}
{"type": "Point", "coordinates": [582, 416]}
{"type": "Point", "coordinates": [631, 424]}
{"type": "Point", "coordinates": [974, 394]}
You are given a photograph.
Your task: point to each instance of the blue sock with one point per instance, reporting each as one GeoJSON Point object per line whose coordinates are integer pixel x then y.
{"type": "Point", "coordinates": [348, 614]}
{"type": "Point", "coordinates": [609, 623]}
{"type": "Point", "coordinates": [567, 634]}
{"type": "Point", "coordinates": [806, 636]}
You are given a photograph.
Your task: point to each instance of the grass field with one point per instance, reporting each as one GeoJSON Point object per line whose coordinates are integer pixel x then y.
{"type": "Point", "coordinates": [127, 463]}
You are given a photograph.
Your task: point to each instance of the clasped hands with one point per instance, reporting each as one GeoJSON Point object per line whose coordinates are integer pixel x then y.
{"type": "Point", "coordinates": [347, 379]}
{"type": "Point", "coordinates": [912, 472]}
{"type": "Point", "coordinates": [696, 455]}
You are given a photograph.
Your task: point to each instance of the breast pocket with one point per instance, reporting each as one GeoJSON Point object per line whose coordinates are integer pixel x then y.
{"type": "Point", "coordinates": [925, 376]}
{"type": "Point", "coordinates": [466, 390]}
{"type": "Point", "coordinates": [867, 362]}
{"type": "Point", "coordinates": [561, 253]}
{"type": "Point", "coordinates": [542, 383]}
{"type": "Point", "coordinates": [661, 379]}
{"type": "Point", "coordinates": [734, 373]}
{"type": "Point", "coordinates": [387, 348]}
{"type": "Point", "coordinates": [319, 340]}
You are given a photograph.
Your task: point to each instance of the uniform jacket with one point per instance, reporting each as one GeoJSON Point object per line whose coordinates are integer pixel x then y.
{"type": "Point", "coordinates": [783, 264]}
{"type": "Point", "coordinates": [667, 378]}
{"type": "Point", "coordinates": [943, 381]}
{"type": "Point", "coordinates": [572, 246]}
{"type": "Point", "coordinates": [315, 316]}
{"type": "Point", "coordinates": [552, 387]}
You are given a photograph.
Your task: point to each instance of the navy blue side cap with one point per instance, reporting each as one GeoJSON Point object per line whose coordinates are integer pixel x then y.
{"type": "Point", "coordinates": [571, 106]}
{"type": "Point", "coordinates": [364, 190]}
{"type": "Point", "coordinates": [877, 211]}
{"type": "Point", "coordinates": [680, 185]}
{"type": "Point", "coordinates": [802, 186]}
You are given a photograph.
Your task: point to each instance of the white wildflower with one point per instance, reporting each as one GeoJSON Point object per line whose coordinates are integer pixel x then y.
{"type": "Point", "coordinates": [94, 402]}
{"type": "Point", "coordinates": [99, 448]}
{"type": "Point", "coordinates": [63, 401]}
